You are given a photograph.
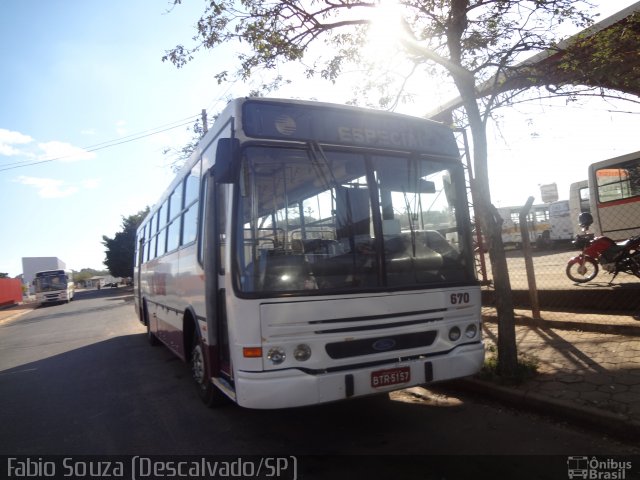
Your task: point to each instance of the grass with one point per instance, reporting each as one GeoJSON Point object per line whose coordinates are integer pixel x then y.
{"type": "Point", "coordinates": [526, 369]}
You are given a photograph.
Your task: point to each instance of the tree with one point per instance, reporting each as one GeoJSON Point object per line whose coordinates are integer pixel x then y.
{"type": "Point", "coordinates": [605, 59]}
{"type": "Point", "coordinates": [470, 41]}
{"type": "Point", "coordinates": [87, 273]}
{"type": "Point", "coordinates": [120, 250]}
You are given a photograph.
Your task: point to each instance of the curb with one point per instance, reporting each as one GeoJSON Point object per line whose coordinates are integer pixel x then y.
{"type": "Point", "coordinates": [617, 425]}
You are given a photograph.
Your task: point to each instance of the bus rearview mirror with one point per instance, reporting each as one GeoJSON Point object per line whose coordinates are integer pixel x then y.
{"type": "Point", "coordinates": [227, 160]}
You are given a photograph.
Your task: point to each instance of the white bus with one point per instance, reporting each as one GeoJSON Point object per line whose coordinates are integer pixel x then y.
{"type": "Point", "coordinates": [615, 196]}
{"type": "Point", "coordinates": [294, 259]}
{"type": "Point", "coordinates": [53, 286]}
{"type": "Point", "coordinates": [578, 203]}
{"type": "Point", "coordinates": [537, 221]}
{"type": "Point", "coordinates": [561, 223]}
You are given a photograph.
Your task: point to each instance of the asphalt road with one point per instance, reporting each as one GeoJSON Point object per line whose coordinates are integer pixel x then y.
{"type": "Point", "coordinates": [80, 378]}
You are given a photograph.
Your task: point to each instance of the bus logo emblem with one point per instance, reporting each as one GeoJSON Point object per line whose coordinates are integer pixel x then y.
{"type": "Point", "coordinates": [384, 344]}
{"type": "Point", "coordinates": [286, 125]}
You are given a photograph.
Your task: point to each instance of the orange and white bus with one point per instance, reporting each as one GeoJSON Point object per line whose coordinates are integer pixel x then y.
{"type": "Point", "coordinates": [301, 257]}
{"type": "Point", "coordinates": [614, 186]}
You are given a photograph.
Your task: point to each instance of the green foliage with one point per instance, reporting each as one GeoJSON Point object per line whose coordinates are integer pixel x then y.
{"type": "Point", "coordinates": [607, 60]}
{"type": "Point", "coordinates": [120, 250]}
{"type": "Point", "coordinates": [4, 275]}
{"type": "Point", "coordinates": [526, 368]}
{"type": "Point", "coordinates": [87, 273]}
{"type": "Point", "coordinates": [483, 38]}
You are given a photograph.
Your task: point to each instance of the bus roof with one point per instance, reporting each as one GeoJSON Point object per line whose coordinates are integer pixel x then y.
{"type": "Point", "coordinates": [335, 124]}
{"type": "Point", "coordinates": [613, 161]}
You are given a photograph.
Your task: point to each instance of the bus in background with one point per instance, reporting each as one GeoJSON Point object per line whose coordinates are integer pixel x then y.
{"type": "Point", "coordinates": [301, 257]}
{"type": "Point", "coordinates": [537, 220]}
{"type": "Point", "coordinates": [615, 196]}
{"type": "Point", "coordinates": [54, 286]}
{"type": "Point", "coordinates": [560, 223]}
{"type": "Point", "coordinates": [578, 203]}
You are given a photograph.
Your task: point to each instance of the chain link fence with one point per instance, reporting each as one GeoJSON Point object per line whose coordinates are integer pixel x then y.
{"type": "Point", "coordinates": [552, 227]}
{"type": "Point", "coordinates": [555, 291]}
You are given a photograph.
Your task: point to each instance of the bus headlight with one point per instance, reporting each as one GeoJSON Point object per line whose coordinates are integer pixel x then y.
{"type": "Point", "coordinates": [277, 355]}
{"type": "Point", "coordinates": [471, 330]}
{"type": "Point", "coordinates": [454, 334]}
{"type": "Point", "coordinates": [302, 352]}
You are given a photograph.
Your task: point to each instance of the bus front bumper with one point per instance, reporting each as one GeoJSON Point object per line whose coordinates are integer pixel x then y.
{"type": "Point", "coordinates": [295, 388]}
{"type": "Point", "coordinates": [58, 297]}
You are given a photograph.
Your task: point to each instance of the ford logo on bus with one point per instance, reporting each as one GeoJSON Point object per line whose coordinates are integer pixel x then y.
{"type": "Point", "coordinates": [384, 344]}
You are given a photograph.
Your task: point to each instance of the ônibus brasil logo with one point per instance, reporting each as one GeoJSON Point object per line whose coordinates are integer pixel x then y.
{"type": "Point", "coordinates": [594, 468]}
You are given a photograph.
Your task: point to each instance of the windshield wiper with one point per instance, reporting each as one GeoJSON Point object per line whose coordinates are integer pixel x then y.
{"type": "Point", "coordinates": [320, 164]}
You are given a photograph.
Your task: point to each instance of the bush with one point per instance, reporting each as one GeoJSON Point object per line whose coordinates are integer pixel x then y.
{"type": "Point", "coordinates": [527, 368]}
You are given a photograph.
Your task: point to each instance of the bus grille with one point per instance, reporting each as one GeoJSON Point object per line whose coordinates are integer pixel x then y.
{"type": "Point", "coordinates": [355, 348]}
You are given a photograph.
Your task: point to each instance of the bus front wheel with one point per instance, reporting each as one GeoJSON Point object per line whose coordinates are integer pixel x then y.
{"type": "Point", "coordinates": [207, 391]}
{"type": "Point", "coordinates": [151, 338]}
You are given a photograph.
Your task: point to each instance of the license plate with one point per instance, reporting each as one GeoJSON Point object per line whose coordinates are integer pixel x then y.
{"type": "Point", "coordinates": [392, 376]}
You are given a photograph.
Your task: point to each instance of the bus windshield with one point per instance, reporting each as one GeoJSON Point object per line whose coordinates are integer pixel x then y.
{"type": "Point", "coordinates": [322, 220]}
{"type": "Point", "coordinates": [51, 282]}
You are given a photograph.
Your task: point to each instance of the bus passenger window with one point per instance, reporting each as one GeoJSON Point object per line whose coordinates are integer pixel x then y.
{"type": "Point", "coordinates": [190, 224]}
{"type": "Point", "coordinates": [173, 235]}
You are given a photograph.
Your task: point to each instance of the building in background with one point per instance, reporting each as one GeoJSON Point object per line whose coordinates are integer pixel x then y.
{"type": "Point", "coordinates": [31, 265]}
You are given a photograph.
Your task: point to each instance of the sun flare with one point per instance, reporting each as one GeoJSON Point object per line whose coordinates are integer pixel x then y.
{"type": "Point", "coordinates": [385, 31]}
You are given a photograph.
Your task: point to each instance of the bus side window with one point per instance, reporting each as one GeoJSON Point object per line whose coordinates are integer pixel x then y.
{"type": "Point", "coordinates": [202, 233]}
{"type": "Point", "coordinates": [221, 216]}
{"type": "Point", "coordinates": [190, 224]}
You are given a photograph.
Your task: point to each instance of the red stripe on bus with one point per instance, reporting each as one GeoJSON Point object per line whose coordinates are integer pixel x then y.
{"type": "Point", "coordinates": [619, 202]}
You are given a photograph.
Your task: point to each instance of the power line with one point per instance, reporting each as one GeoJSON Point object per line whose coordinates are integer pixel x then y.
{"type": "Point", "coordinates": [107, 144]}
{"type": "Point", "coordinates": [192, 117]}
{"type": "Point", "coordinates": [223, 97]}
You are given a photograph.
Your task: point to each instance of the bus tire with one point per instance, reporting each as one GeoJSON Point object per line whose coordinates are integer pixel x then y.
{"type": "Point", "coordinates": [151, 337]}
{"type": "Point", "coordinates": [210, 395]}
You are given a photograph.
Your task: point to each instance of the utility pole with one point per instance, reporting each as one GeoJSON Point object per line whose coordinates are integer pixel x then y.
{"type": "Point", "coordinates": [204, 121]}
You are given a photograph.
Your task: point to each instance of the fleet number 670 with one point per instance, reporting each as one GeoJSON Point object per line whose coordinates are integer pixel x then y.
{"type": "Point", "coordinates": [459, 298]}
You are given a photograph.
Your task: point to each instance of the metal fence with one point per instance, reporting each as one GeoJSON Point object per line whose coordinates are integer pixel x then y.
{"type": "Point", "coordinates": [555, 291]}
{"type": "Point", "coordinates": [552, 226]}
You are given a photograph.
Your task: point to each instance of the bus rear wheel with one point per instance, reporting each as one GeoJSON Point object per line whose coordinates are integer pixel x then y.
{"type": "Point", "coordinates": [210, 395]}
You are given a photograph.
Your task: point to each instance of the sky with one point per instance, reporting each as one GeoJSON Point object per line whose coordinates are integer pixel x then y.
{"type": "Point", "coordinates": [87, 108]}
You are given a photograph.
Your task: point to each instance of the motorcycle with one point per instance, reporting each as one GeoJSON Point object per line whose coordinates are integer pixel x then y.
{"type": "Point", "coordinates": [613, 257]}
